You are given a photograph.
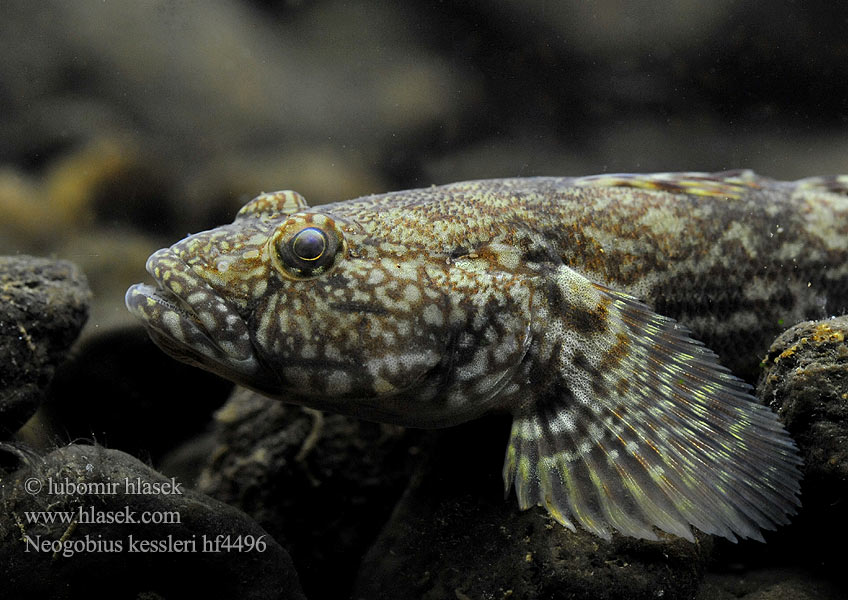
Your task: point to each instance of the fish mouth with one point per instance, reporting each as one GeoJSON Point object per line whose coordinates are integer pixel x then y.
{"type": "Point", "coordinates": [190, 321]}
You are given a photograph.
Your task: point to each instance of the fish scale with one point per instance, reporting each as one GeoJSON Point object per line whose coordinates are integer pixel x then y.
{"type": "Point", "coordinates": [579, 305]}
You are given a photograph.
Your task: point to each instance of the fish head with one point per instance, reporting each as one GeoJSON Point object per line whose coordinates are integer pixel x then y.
{"type": "Point", "coordinates": [304, 305]}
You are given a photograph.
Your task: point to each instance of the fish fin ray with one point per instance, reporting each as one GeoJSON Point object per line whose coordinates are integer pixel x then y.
{"type": "Point", "coordinates": [834, 184]}
{"type": "Point", "coordinates": [634, 425]}
{"type": "Point", "coordinates": [727, 184]}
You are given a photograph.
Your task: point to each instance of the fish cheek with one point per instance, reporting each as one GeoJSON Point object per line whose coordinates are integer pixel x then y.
{"type": "Point", "coordinates": [488, 334]}
{"type": "Point", "coordinates": [277, 329]}
{"type": "Point", "coordinates": [398, 340]}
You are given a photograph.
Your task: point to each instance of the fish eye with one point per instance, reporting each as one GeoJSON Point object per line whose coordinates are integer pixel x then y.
{"type": "Point", "coordinates": [309, 244]}
{"type": "Point", "coordinates": [305, 247]}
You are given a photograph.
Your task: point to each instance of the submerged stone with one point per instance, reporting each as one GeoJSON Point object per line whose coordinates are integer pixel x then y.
{"type": "Point", "coordinates": [43, 306]}
{"type": "Point", "coordinates": [89, 522]}
{"type": "Point", "coordinates": [454, 536]}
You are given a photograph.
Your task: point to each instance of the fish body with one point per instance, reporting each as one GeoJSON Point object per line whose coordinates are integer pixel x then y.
{"type": "Point", "coordinates": [577, 304]}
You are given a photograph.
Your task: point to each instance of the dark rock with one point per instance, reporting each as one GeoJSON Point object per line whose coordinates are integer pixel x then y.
{"type": "Point", "coordinates": [770, 584]}
{"type": "Point", "coordinates": [43, 306]}
{"type": "Point", "coordinates": [122, 390]}
{"type": "Point", "coordinates": [805, 379]}
{"type": "Point", "coordinates": [453, 536]}
{"type": "Point", "coordinates": [187, 461]}
{"type": "Point", "coordinates": [122, 559]}
{"type": "Point", "coordinates": [323, 485]}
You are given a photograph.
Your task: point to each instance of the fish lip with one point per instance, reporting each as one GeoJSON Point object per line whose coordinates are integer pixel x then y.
{"type": "Point", "coordinates": [209, 328]}
{"type": "Point", "coordinates": [166, 291]}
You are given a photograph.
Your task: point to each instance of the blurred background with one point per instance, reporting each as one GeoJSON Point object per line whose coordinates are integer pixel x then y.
{"type": "Point", "coordinates": [126, 125]}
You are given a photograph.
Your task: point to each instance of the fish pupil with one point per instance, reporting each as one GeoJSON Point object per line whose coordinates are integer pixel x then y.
{"type": "Point", "coordinates": [309, 244]}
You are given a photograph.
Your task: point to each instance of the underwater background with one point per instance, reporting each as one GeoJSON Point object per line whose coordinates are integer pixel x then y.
{"type": "Point", "coordinates": [125, 126]}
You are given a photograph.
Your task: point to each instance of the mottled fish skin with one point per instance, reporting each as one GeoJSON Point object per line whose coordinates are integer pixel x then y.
{"type": "Point", "coordinates": [567, 301]}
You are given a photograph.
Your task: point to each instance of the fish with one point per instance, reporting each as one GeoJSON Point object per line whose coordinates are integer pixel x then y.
{"type": "Point", "coordinates": [592, 309]}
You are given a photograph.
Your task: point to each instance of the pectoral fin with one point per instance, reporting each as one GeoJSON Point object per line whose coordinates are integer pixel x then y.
{"type": "Point", "coordinates": [634, 425]}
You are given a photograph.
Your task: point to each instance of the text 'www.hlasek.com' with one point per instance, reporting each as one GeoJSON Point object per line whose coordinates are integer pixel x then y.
{"type": "Point", "coordinates": [88, 517]}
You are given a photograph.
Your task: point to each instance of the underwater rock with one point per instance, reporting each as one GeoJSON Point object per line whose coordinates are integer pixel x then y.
{"type": "Point", "coordinates": [322, 484]}
{"type": "Point", "coordinates": [107, 551]}
{"type": "Point", "coordinates": [161, 402]}
{"type": "Point", "coordinates": [789, 583]}
{"type": "Point", "coordinates": [43, 306]}
{"type": "Point", "coordinates": [453, 536]}
{"type": "Point", "coordinates": [805, 379]}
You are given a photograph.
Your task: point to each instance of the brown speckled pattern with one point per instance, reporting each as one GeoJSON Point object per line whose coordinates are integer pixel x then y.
{"type": "Point", "coordinates": [558, 299]}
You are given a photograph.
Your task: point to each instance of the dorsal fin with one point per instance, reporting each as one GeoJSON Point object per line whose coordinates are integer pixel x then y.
{"type": "Point", "coordinates": [835, 184]}
{"type": "Point", "coordinates": [727, 184]}
{"type": "Point", "coordinates": [282, 202]}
